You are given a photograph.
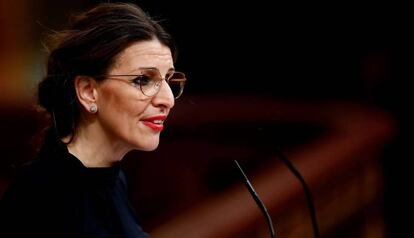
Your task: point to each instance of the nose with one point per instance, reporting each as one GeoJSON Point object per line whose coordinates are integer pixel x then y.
{"type": "Point", "coordinates": [164, 98]}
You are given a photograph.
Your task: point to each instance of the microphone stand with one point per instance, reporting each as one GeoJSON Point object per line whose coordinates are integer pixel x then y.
{"type": "Point", "coordinates": [308, 194]}
{"type": "Point", "coordinates": [257, 200]}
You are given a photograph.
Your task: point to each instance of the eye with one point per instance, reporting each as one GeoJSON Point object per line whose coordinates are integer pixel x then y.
{"type": "Point", "coordinates": [141, 80]}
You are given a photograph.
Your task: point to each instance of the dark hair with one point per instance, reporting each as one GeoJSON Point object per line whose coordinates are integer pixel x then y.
{"type": "Point", "coordinates": [89, 47]}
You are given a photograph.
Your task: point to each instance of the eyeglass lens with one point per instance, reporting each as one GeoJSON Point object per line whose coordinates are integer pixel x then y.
{"type": "Point", "coordinates": [151, 80]}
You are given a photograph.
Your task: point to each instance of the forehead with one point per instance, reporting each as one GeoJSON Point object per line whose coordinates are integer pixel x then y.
{"type": "Point", "coordinates": [144, 54]}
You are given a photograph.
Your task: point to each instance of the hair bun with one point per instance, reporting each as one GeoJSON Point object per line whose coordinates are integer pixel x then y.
{"type": "Point", "coordinates": [46, 93]}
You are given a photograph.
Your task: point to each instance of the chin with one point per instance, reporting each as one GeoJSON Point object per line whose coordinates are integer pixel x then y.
{"type": "Point", "coordinates": [148, 149]}
{"type": "Point", "coordinates": [143, 143]}
{"type": "Point", "coordinates": [148, 146]}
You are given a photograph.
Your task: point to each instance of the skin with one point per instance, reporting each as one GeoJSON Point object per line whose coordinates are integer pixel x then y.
{"type": "Point", "coordinates": [104, 137]}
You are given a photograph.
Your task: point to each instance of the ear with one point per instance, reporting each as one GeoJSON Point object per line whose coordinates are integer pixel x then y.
{"type": "Point", "coordinates": [86, 91]}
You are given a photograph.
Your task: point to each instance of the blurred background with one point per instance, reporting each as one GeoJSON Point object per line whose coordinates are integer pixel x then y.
{"type": "Point", "coordinates": [325, 84]}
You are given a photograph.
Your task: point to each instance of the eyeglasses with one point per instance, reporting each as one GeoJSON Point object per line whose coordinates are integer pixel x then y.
{"type": "Point", "coordinates": [150, 80]}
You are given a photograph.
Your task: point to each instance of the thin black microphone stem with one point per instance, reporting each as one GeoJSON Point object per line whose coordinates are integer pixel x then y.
{"type": "Point", "coordinates": [258, 201]}
{"type": "Point", "coordinates": [308, 194]}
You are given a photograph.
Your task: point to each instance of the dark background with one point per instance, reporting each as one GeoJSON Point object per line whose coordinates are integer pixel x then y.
{"type": "Point", "coordinates": [351, 52]}
{"type": "Point", "coordinates": [312, 52]}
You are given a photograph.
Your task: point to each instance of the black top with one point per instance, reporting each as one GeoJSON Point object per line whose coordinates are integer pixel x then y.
{"type": "Point", "coordinates": [57, 196]}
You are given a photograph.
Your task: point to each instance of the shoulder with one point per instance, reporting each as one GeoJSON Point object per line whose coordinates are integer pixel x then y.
{"type": "Point", "coordinates": [30, 182]}
{"type": "Point", "coordinates": [24, 199]}
{"type": "Point", "coordinates": [38, 194]}
{"type": "Point", "coordinates": [37, 180]}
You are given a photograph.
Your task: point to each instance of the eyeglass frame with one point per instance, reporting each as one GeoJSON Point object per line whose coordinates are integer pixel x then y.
{"type": "Point", "coordinates": [172, 71]}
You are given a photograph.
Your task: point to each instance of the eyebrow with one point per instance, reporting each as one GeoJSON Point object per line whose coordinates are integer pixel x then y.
{"type": "Point", "coordinates": [172, 68]}
{"type": "Point", "coordinates": [154, 68]}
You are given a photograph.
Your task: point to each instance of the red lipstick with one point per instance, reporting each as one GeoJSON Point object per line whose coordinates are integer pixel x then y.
{"type": "Point", "coordinates": [155, 122]}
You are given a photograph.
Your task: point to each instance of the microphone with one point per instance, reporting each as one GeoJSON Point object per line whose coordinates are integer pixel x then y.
{"type": "Point", "coordinates": [257, 200]}
{"type": "Point", "coordinates": [308, 195]}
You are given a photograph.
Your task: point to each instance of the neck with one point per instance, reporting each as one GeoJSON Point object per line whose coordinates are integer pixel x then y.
{"type": "Point", "coordinates": [93, 148]}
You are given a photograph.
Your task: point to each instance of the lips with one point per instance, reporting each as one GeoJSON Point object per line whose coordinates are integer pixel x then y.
{"type": "Point", "coordinates": [155, 122]}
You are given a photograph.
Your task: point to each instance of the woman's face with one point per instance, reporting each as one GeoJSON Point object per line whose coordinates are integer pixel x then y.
{"type": "Point", "coordinates": [128, 118]}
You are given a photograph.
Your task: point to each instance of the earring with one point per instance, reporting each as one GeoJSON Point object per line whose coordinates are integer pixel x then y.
{"type": "Point", "coordinates": [93, 108]}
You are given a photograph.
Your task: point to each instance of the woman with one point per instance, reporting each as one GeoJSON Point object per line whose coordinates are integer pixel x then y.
{"type": "Point", "coordinates": [109, 87]}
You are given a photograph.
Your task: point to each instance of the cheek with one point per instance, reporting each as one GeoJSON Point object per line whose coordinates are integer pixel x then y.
{"type": "Point", "coordinates": [120, 104]}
